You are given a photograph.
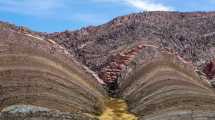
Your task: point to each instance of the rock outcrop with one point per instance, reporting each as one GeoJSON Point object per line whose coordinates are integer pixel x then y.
{"type": "Point", "coordinates": [209, 72]}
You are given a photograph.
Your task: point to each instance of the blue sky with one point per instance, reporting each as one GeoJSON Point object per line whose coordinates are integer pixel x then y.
{"type": "Point", "coordinates": [59, 15]}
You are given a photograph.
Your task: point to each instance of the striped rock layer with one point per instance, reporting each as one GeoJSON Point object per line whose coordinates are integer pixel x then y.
{"type": "Point", "coordinates": [156, 84]}
{"type": "Point", "coordinates": [41, 73]}
{"type": "Point", "coordinates": [159, 85]}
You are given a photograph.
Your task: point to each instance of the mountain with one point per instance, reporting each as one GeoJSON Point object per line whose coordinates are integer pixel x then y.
{"type": "Point", "coordinates": [190, 35]}
{"type": "Point", "coordinates": [161, 63]}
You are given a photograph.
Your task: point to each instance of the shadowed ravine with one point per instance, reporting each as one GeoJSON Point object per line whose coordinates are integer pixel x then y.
{"type": "Point", "coordinates": [42, 80]}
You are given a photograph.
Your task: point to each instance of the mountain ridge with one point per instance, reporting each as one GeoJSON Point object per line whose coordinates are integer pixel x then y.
{"type": "Point", "coordinates": [162, 64]}
{"type": "Point", "coordinates": [190, 35]}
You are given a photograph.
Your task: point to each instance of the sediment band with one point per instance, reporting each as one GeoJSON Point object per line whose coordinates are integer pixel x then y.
{"type": "Point", "coordinates": [163, 87]}
{"type": "Point", "coordinates": [41, 73]}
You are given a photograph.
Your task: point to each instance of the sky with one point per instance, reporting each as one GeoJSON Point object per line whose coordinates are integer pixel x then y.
{"type": "Point", "coordinates": [60, 15]}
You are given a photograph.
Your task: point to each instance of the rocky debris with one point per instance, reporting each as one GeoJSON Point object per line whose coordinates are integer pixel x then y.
{"type": "Point", "coordinates": [24, 109]}
{"type": "Point", "coordinates": [44, 115]}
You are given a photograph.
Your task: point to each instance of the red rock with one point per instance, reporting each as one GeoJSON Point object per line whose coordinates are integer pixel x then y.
{"type": "Point", "coordinates": [209, 70]}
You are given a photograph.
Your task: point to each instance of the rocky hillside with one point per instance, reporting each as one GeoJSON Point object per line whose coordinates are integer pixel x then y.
{"type": "Point", "coordinates": [158, 62]}
{"type": "Point", "coordinates": [22, 29]}
{"type": "Point", "coordinates": [190, 35]}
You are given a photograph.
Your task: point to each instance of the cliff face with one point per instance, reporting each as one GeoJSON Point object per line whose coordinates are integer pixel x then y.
{"type": "Point", "coordinates": [160, 63]}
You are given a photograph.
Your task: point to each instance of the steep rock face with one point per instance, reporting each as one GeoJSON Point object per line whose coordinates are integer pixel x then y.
{"type": "Point", "coordinates": [41, 73]}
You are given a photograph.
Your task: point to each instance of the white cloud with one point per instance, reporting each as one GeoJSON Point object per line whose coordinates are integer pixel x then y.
{"type": "Point", "coordinates": [146, 5]}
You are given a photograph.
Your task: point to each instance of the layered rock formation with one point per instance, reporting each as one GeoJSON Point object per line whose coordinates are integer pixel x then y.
{"type": "Point", "coordinates": [41, 73]}
{"type": "Point", "coordinates": [159, 86]}
{"type": "Point", "coordinates": [160, 63]}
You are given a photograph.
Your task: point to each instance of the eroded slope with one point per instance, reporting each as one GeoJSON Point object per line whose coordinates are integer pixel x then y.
{"type": "Point", "coordinates": [159, 85]}
{"type": "Point", "coordinates": [41, 73]}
